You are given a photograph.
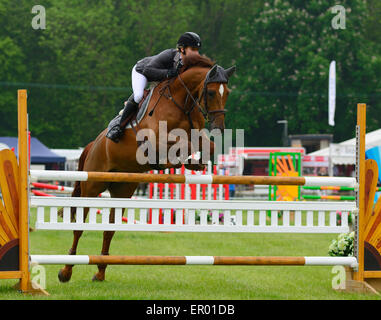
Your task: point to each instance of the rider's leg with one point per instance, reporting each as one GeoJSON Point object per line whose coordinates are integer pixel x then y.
{"type": "Point", "coordinates": [130, 106]}
{"type": "Point", "coordinates": [139, 82]}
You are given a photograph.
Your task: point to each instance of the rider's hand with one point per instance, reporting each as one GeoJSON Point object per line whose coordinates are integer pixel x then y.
{"type": "Point", "coordinates": [172, 73]}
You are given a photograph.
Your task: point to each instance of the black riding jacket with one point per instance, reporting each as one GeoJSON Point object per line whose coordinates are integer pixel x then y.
{"type": "Point", "coordinates": [155, 68]}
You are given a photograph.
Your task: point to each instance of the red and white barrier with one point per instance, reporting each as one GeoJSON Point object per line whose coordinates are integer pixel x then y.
{"type": "Point", "coordinates": [190, 191]}
{"type": "Point", "coordinates": [58, 189]}
{"type": "Point", "coordinates": [187, 191]}
{"type": "Point", "coordinates": [40, 185]}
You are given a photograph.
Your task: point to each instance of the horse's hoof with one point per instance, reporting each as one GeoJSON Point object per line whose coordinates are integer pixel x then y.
{"type": "Point", "coordinates": [97, 278]}
{"type": "Point", "coordinates": [64, 276]}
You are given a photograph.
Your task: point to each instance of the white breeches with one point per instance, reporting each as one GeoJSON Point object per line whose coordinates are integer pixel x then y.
{"type": "Point", "coordinates": [139, 82]}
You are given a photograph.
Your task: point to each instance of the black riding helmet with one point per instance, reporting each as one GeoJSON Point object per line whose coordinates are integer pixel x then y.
{"type": "Point", "coordinates": [189, 39]}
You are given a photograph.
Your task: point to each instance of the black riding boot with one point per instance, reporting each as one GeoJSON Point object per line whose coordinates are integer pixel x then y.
{"type": "Point", "coordinates": [117, 131]}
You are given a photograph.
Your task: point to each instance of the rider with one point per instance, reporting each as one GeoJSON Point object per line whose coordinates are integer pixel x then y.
{"type": "Point", "coordinates": [164, 65]}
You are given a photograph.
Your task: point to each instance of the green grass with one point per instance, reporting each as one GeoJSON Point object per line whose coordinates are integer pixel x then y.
{"type": "Point", "coordinates": [187, 282]}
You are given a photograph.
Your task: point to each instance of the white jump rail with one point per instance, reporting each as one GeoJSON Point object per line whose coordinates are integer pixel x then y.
{"type": "Point", "coordinates": [250, 216]}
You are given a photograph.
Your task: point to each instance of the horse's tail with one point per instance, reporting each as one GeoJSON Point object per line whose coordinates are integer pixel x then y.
{"type": "Point", "coordinates": [77, 186]}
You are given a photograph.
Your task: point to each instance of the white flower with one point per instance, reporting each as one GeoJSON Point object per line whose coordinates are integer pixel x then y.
{"type": "Point", "coordinates": [341, 236]}
{"type": "Point", "coordinates": [342, 244]}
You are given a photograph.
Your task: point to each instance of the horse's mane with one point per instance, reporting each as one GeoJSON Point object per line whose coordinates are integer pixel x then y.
{"type": "Point", "coordinates": [197, 60]}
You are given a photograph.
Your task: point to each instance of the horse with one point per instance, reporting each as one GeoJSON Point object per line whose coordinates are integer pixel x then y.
{"type": "Point", "coordinates": [198, 93]}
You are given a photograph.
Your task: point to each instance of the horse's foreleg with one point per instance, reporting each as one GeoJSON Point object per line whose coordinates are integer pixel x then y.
{"type": "Point", "coordinates": [107, 237]}
{"type": "Point", "coordinates": [88, 189]}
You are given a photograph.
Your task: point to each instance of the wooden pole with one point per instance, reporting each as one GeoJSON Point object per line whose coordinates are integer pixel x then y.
{"type": "Point", "coordinates": [264, 180]}
{"type": "Point", "coordinates": [361, 124]}
{"type": "Point", "coordinates": [168, 178]}
{"type": "Point", "coordinates": [25, 285]}
{"type": "Point", "coordinates": [135, 177]}
{"type": "Point", "coordinates": [138, 260]}
{"type": "Point", "coordinates": [23, 192]}
{"type": "Point", "coordinates": [187, 179]}
{"type": "Point", "coordinates": [182, 260]}
{"type": "Point", "coordinates": [192, 260]}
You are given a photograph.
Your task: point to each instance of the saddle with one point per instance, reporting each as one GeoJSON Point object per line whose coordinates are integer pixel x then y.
{"type": "Point", "coordinates": [138, 116]}
{"type": "Point", "coordinates": [143, 106]}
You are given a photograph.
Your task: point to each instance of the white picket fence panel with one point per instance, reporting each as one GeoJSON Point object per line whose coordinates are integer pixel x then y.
{"type": "Point", "coordinates": [296, 217]}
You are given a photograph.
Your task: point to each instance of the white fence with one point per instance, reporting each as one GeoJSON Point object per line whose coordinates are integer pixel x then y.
{"type": "Point", "coordinates": [192, 216]}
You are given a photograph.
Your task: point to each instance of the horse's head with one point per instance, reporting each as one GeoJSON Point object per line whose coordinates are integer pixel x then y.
{"type": "Point", "coordinates": [208, 84]}
{"type": "Point", "coordinates": [213, 94]}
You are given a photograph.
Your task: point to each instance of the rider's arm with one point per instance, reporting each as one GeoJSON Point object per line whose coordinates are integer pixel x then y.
{"type": "Point", "coordinates": [157, 68]}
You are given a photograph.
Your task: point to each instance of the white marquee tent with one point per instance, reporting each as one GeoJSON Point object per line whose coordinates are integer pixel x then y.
{"type": "Point", "coordinates": [71, 155]}
{"type": "Point", "coordinates": [3, 146]}
{"type": "Point", "coordinates": [345, 152]}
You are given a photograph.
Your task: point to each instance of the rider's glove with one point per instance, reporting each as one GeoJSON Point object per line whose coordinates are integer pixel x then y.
{"type": "Point", "coordinates": [172, 73]}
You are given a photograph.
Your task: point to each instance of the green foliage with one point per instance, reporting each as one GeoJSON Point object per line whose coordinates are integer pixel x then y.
{"type": "Point", "coordinates": [11, 67]}
{"type": "Point", "coordinates": [78, 70]}
{"type": "Point", "coordinates": [343, 245]}
{"type": "Point", "coordinates": [286, 49]}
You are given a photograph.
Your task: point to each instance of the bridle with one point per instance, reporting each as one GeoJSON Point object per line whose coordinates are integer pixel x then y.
{"type": "Point", "coordinates": [166, 92]}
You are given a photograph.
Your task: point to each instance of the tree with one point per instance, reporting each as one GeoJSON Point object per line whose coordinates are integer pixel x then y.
{"type": "Point", "coordinates": [283, 70]}
{"type": "Point", "coordinates": [78, 70]}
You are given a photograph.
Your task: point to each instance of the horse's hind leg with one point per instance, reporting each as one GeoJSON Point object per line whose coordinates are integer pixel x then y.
{"type": "Point", "coordinates": [117, 190]}
{"type": "Point", "coordinates": [64, 274]}
{"type": "Point", "coordinates": [107, 237]}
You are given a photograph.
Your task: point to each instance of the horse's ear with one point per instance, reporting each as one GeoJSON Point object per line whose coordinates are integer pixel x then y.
{"type": "Point", "coordinates": [229, 72]}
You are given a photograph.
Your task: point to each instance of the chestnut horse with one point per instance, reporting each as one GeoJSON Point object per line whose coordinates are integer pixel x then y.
{"type": "Point", "coordinates": [197, 94]}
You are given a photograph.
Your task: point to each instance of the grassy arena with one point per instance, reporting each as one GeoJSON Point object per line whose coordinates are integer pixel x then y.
{"type": "Point", "coordinates": [187, 282]}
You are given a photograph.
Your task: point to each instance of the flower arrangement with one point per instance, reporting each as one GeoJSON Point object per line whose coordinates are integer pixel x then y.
{"type": "Point", "coordinates": [343, 245]}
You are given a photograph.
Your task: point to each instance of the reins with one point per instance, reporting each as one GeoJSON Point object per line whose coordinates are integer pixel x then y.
{"type": "Point", "coordinates": [196, 101]}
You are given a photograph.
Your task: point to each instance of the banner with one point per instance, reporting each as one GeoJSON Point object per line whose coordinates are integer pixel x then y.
{"type": "Point", "coordinates": [332, 94]}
